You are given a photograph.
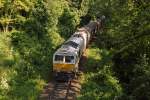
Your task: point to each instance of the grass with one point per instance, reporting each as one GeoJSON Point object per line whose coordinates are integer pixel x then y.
{"type": "Point", "coordinates": [99, 82]}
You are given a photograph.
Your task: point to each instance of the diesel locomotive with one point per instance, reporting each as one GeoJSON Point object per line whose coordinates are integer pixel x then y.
{"type": "Point", "coordinates": [66, 58]}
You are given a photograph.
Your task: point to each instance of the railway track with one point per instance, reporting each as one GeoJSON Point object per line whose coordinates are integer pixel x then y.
{"type": "Point", "coordinates": [67, 90]}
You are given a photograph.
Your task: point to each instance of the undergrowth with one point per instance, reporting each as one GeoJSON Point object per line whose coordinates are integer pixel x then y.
{"type": "Point", "coordinates": [99, 81]}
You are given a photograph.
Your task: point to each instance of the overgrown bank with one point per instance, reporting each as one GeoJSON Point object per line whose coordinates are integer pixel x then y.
{"type": "Point", "coordinates": [99, 81]}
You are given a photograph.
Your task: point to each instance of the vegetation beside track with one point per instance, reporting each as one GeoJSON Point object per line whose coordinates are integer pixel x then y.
{"type": "Point", "coordinates": [118, 60]}
{"type": "Point", "coordinates": [99, 81]}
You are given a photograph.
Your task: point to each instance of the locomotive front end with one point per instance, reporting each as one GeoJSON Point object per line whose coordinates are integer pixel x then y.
{"type": "Point", "coordinates": [63, 63]}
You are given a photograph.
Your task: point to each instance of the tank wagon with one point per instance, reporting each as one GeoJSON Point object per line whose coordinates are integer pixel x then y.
{"type": "Point", "coordinates": [67, 57]}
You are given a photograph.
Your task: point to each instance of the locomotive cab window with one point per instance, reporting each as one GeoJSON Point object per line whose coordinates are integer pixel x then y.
{"type": "Point", "coordinates": [59, 58]}
{"type": "Point", "coordinates": [69, 59]}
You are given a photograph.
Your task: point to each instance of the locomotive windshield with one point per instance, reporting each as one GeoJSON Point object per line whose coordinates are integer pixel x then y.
{"type": "Point", "coordinates": [69, 59]}
{"type": "Point", "coordinates": [59, 58]}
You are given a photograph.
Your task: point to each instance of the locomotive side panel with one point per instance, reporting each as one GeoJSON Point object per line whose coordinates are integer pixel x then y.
{"type": "Point", "coordinates": [85, 35]}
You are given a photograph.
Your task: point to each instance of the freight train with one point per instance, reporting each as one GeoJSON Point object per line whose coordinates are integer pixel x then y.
{"type": "Point", "coordinates": [66, 58]}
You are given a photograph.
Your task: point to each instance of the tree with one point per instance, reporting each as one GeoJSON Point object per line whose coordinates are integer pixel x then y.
{"type": "Point", "coordinates": [13, 12]}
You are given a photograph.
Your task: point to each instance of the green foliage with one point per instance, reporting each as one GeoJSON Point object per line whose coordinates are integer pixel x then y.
{"type": "Point", "coordinates": [126, 34]}
{"type": "Point", "coordinates": [13, 13]}
{"type": "Point", "coordinates": [99, 83]}
{"type": "Point", "coordinates": [67, 23]}
{"type": "Point", "coordinates": [100, 86]}
{"type": "Point", "coordinates": [31, 30]}
{"type": "Point", "coordinates": [26, 90]}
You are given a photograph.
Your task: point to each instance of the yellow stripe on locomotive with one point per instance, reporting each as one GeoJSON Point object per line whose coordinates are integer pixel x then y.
{"type": "Point", "coordinates": [63, 67]}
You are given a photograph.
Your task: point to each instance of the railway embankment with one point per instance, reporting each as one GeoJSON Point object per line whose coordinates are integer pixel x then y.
{"type": "Point", "coordinates": [99, 82]}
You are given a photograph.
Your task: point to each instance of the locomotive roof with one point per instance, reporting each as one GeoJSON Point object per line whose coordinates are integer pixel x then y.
{"type": "Point", "coordinates": [66, 49]}
{"type": "Point", "coordinates": [75, 39]}
{"type": "Point", "coordinates": [70, 46]}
